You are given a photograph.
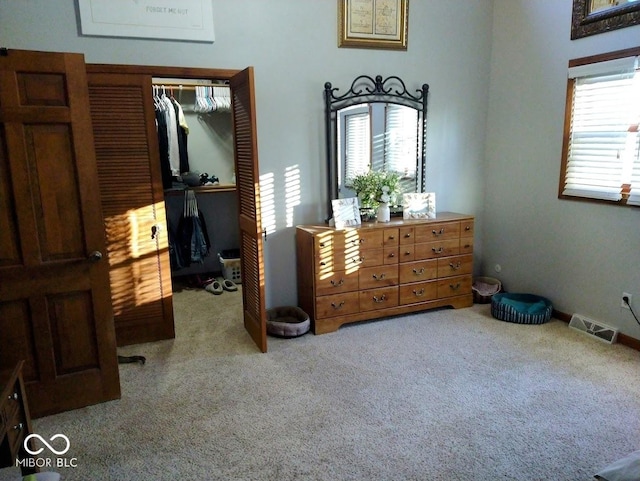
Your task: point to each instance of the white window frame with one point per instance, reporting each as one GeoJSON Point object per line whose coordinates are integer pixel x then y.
{"type": "Point", "coordinates": [601, 148]}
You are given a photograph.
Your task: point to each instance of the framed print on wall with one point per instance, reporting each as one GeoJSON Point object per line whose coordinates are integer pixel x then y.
{"type": "Point", "coordinates": [590, 17]}
{"type": "Point", "coordinates": [373, 24]}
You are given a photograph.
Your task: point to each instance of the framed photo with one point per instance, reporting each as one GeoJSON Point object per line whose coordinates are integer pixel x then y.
{"type": "Point", "coordinates": [346, 212]}
{"type": "Point", "coordinates": [591, 17]}
{"type": "Point", "coordinates": [187, 20]}
{"type": "Point", "coordinates": [373, 24]}
{"type": "Point", "coordinates": [419, 206]}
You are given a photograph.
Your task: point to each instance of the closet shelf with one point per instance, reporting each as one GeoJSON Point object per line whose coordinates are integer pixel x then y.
{"type": "Point", "coordinates": [205, 189]}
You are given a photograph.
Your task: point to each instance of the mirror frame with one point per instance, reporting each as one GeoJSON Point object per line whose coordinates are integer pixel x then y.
{"type": "Point", "coordinates": [366, 89]}
{"type": "Point", "coordinates": [584, 23]}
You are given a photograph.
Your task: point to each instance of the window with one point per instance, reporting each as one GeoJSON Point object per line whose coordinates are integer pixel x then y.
{"type": "Point", "coordinates": [600, 156]}
{"type": "Point", "coordinates": [380, 136]}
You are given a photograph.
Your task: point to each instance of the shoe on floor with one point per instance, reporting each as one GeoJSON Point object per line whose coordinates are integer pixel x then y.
{"type": "Point", "coordinates": [228, 285]}
{"type": "Point", "coordinates": [214, 287]}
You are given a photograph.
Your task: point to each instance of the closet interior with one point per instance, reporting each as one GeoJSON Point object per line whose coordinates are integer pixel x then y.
{"type": "Point", "coordinates": [198, 178]}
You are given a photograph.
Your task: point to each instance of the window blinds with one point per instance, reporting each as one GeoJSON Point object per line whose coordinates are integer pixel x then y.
{"type": "Point", "coordinates": [357, 145]}
{"type": "Point", "coordinates": [603, 149]}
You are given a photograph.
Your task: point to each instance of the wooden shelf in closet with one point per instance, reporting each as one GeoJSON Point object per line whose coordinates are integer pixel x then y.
{"type": "Point", "coordinates": [205, 189]}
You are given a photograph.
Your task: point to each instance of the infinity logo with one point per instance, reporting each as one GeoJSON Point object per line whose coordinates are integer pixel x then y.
{"type": "Point", "coordinates": [51, 448]}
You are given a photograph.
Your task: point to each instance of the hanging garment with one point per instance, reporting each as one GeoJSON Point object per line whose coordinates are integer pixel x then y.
{"type": "Point", "coordinates": [192, 238]}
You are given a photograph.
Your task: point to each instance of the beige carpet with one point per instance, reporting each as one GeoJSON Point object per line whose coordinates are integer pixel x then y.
{"type": "Point", "coordinates": [440, 395]}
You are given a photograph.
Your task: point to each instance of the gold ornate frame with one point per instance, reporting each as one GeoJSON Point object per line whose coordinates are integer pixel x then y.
{"type": "Point", "coordinates": [373, 24]}
{"type": "Point", "coordinates": [586, 20]}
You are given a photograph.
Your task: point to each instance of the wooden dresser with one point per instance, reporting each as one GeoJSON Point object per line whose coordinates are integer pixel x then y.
{"type": "Point", "coordinates": [15, 423]}
{"type": "Point", "coordinates": [383, 269]}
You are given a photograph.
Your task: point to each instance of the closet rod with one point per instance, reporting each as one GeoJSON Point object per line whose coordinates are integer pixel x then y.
{"type": "Point", "coordinates": [187, 86]}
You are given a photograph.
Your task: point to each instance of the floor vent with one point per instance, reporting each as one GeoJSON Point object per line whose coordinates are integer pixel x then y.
{"type": "Point", "coordinates": [595, 329]}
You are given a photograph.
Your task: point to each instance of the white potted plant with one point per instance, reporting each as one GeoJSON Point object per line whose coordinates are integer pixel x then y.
{"type": "Point", "coordinates": [376, 189]}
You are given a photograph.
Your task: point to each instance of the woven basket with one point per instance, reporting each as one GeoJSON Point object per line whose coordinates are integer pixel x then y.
{"type": "Point", "coordinates": [521, 308]}
{"type": "Point", "coordinates": [484, 288]}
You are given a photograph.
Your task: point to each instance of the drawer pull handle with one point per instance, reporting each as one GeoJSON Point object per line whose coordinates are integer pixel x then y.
{"type": "Point", "coordinates": [18, 427]}
{"type": "Point", "coordinates": [379, 277]}
{"type": "Point", "coordinates": [418, 272]}
{"type": "Point", "coordinates": [323, 263]}
{"type": "Point", "coordinates": [439, 250]}
{"type": "Point", "coordinates": [337, 284]}
{"type": "Point", "coordinates": [455, 267]}
{"type": "Point", "coordinates": [361, 241]}
{"type": "Point", "coordinates": [322, 244]}
{"type": "Point", "coordinates": [339, 306]}
{"type": "Point", "coordinates": [13, 397]}
{"type": "Point", "coordinates": [455, 287]}
{"type": "Point", "coordinates": [466, 246]}
{"type": "Point", "coordinates": [419, 293]}
{"type": "Point", "coordinates": [381, 299]}
{"type": "Point", "coordinates": [467, 228]}
{"type": "Point", "coordinates": [391, 237]}
{"type": "Point", "coordinates": [407, 253]}
{"type": "Point", "coordinates": [392, 254]}
{"type": "Point", "coordinates": [407, 235]}
{"type": "Point", "coordinates": [438, 233]}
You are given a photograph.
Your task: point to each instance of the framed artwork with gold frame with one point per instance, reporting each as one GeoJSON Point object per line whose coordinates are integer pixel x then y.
{"type": "Point", "coordinates": [591, 17]}
{"type": "Point", "coordinates": [373, 24]}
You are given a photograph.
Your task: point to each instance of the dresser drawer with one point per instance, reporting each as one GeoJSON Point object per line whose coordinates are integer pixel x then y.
{"type": "Point", "coordinates": [432, 250]}
{"type": "Point", "coordinates": [379, 276]}
{"type": "Point", "coordinates": [407, 235]}
{"type": "Point", "coordinates": [370, 257]}
{"type": "Point", "coordinates": [329, 262]}
{"type": "Point", "coordinates": [347, 239]}
{"type": "Point", "coordinates": [391, 237]}
{"type": "Point", "coordinates": [437, 231]}
{"type": "Point", "coordinates": [337, 282]}
{"type": "Point", "coordinates": [418, 292]}
{"type": "Point", "coordinates": [454, 286]}
{"type": "Point", "coordinates": [374, 299]}
{"type": "Point", "coordinates": [418, 271]}
{"type": "Point", "coordinates": [406, 252]}
{"type": "Point", "coordinates": [337, 305]}
{"type": "Point", "coordinates": [466, 245]}
{"type": "Point", "coordinates": [455, 266]}
{"type": "Point", "coordinates": [390, 255]}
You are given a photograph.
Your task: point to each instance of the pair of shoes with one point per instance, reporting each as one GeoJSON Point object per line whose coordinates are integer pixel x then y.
{"type": "Point", "coordinates": [214, 287]}
{"type": "Point", "coordinates": [228, 285]}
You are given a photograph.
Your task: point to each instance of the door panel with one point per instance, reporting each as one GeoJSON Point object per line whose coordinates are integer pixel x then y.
{"type": "Point", "coordinates": [247, 175]}
{"type": "Point", "coordinates": [55, 309]}
{"type": "Point", "coordinates": [133, 204]}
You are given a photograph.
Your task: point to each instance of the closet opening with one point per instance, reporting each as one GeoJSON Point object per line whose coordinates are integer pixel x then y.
{"type": "Point", "coordinates": [195, 142]}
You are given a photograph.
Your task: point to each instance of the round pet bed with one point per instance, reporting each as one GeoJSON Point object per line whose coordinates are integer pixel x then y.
{"type": "Point", "coordinates": [521, 308]}
{"type": "Point", "coordinates": [287, 321]}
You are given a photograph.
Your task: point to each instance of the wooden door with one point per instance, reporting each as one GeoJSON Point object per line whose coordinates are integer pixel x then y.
{"type": "Point", "coordinates": [133, 203]}
{"type": "Point", "coordinates": [248, 188]}
{"type": "Point", "coordinates": [55, 305]}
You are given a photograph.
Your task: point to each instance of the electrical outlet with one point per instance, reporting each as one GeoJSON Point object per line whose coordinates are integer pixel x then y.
{"type": "Point", "coordinates": [629, 298]}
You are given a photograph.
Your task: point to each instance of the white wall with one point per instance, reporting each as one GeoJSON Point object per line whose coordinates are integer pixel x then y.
{"type": "Point", "coordinates": [580, 255]}
{"type": "Point", "coordinates": [292, 44]}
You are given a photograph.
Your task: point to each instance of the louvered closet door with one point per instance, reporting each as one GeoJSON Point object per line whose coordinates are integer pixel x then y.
{"type": "Point", "coordinates": [247, 175]}
{"type": "Point", "coordinates": [133, 205]}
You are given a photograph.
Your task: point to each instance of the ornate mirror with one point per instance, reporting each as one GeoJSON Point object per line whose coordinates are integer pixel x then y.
{"type": "Point", "coordinates": [375, 125]}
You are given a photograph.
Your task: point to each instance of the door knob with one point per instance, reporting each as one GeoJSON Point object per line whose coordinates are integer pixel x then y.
{"type": "Point", "coordinates": [95, 256]}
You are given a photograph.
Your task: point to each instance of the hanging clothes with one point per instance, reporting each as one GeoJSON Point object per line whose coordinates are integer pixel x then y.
{"type": "Point", "coordinates": [172, 132]}
{"type": "Point", "coordinates": [192, 238]}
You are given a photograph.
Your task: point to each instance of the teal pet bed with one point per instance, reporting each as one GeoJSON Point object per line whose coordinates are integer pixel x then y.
{"type": "Point", "coordinates": [521, 308]}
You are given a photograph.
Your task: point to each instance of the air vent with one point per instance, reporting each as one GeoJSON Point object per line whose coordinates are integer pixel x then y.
{"type": "Point", "coordinates": [595, 329]}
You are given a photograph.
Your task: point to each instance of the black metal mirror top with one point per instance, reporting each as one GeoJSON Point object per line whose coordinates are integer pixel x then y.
{"type": "Point", "coordinates": [383, 103]}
